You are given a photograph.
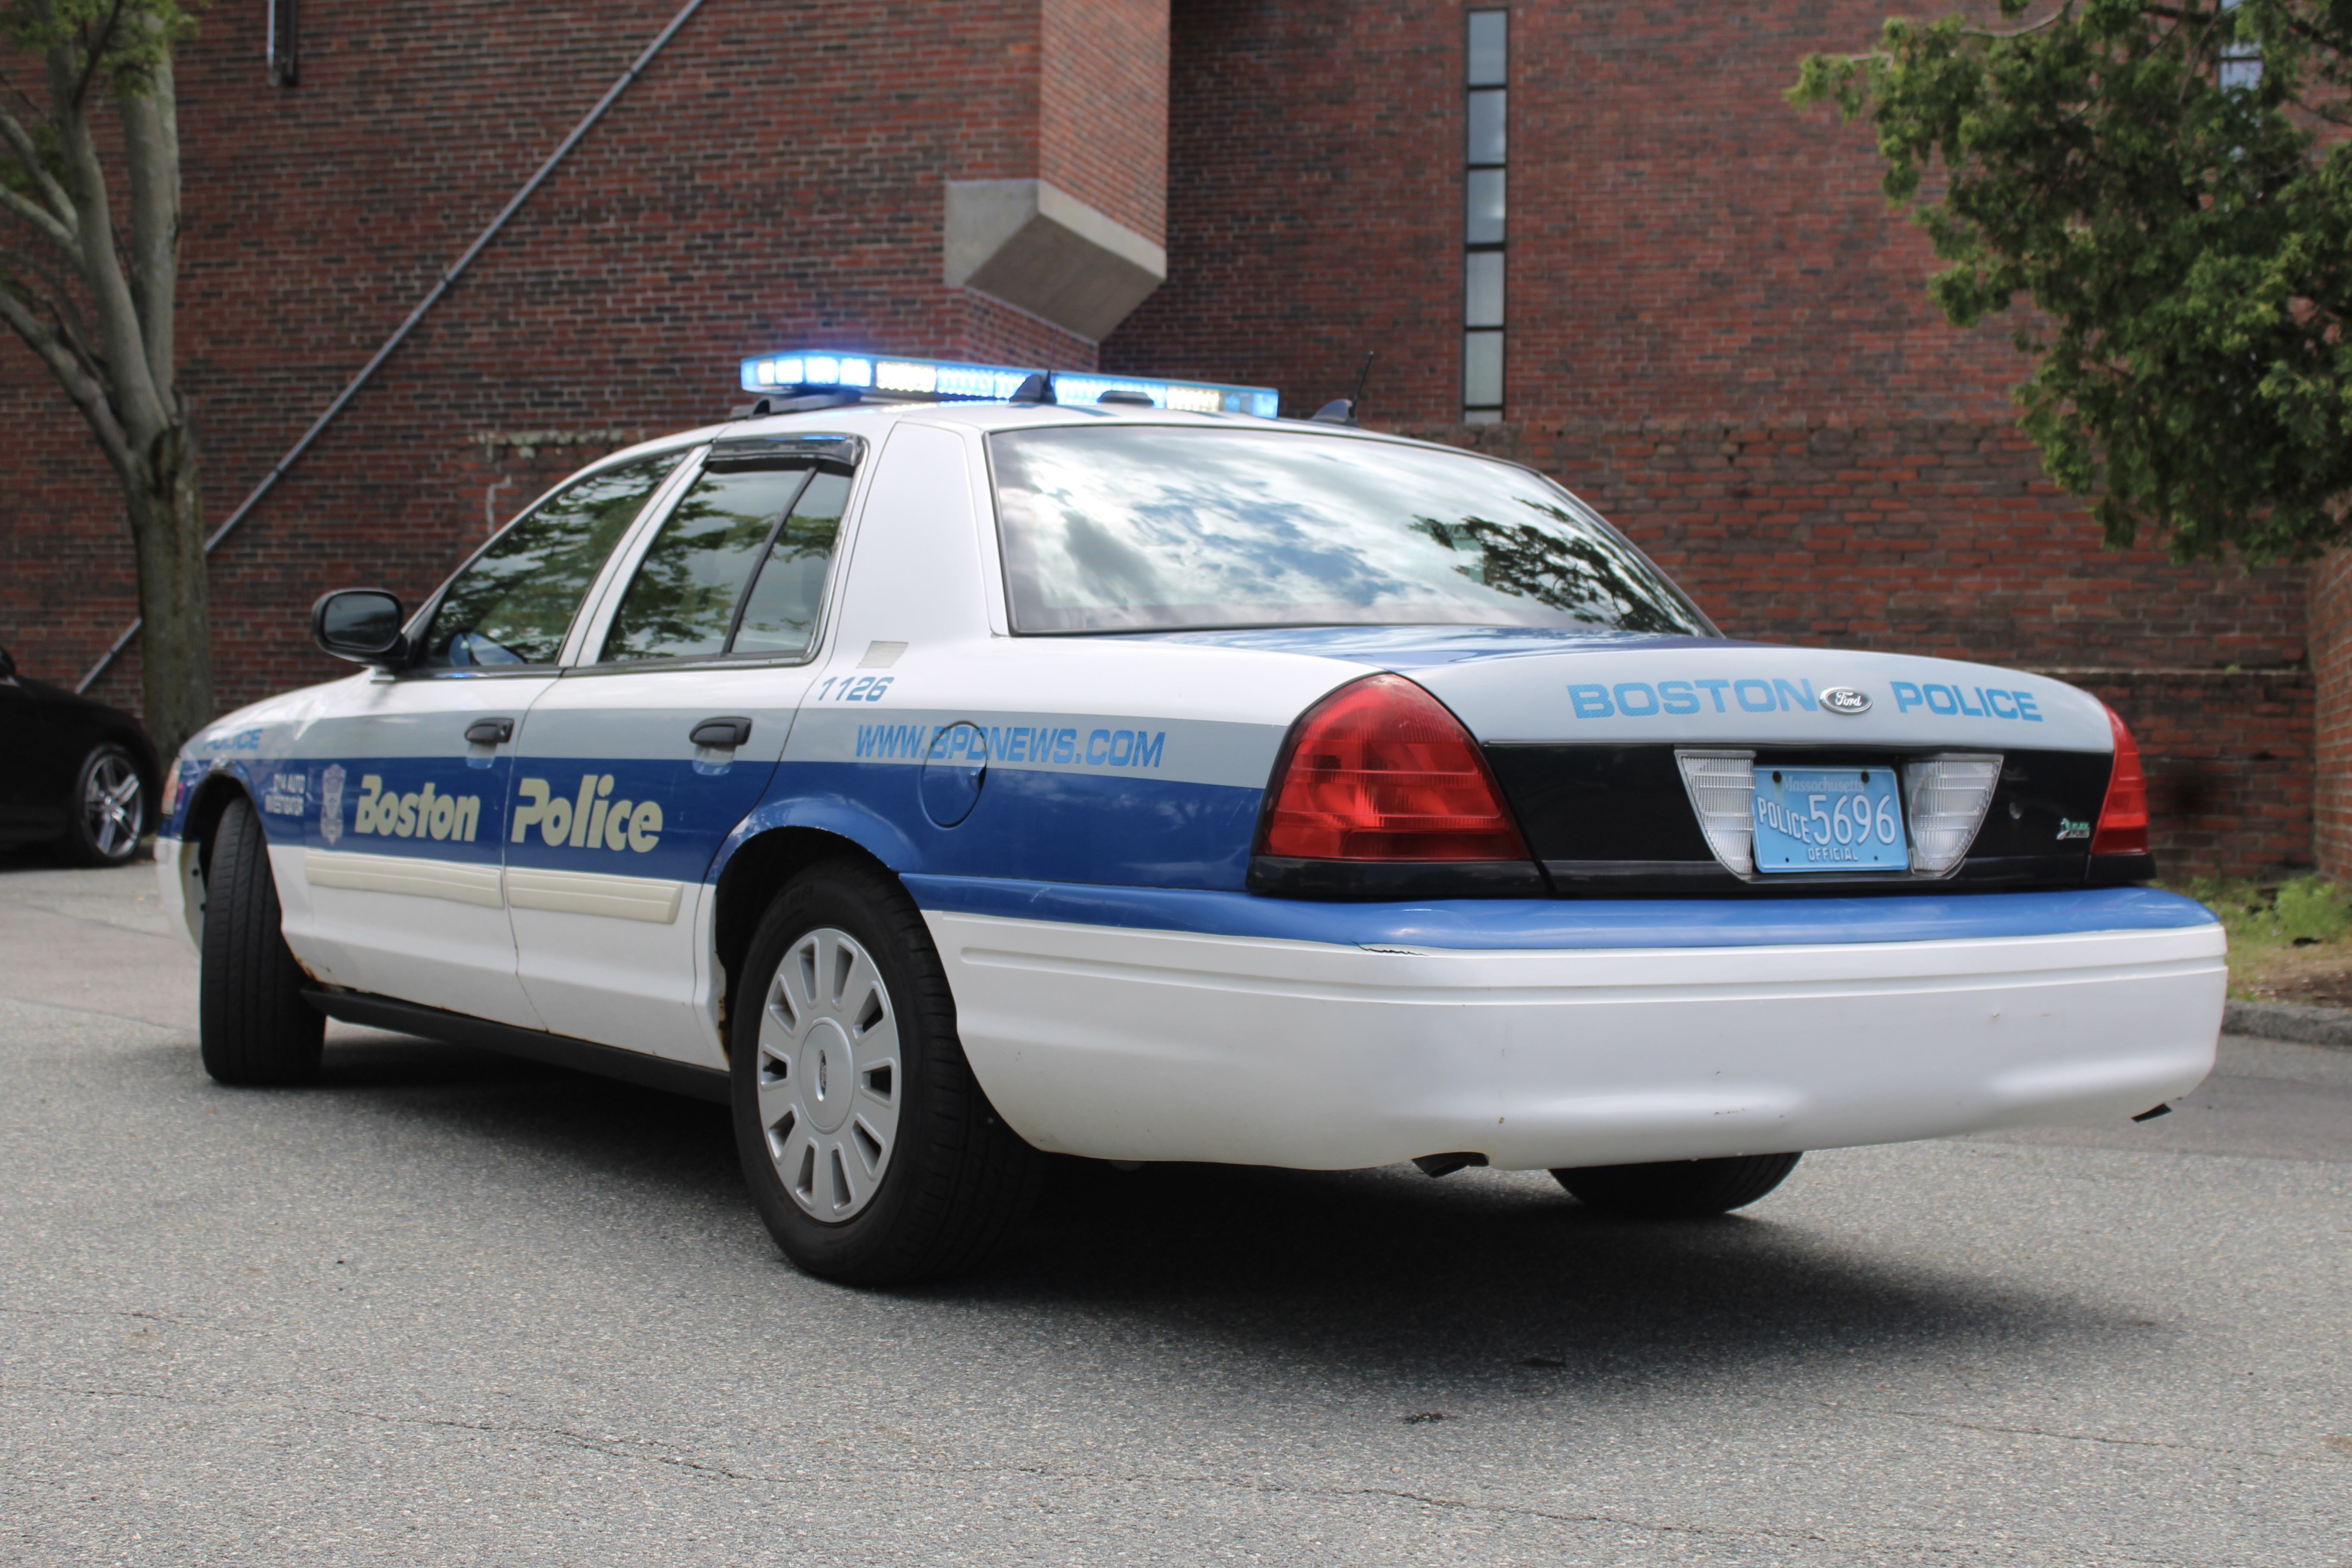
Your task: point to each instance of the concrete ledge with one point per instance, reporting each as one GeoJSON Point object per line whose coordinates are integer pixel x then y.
{"type": "Point", "coordinates": [2289, 1021]}
{"type": "Point", "coordinates": [1041, 249]}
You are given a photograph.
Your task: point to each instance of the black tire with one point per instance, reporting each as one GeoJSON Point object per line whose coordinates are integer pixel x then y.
{"type": "Point", "coordinates": [252, 1024]}
{"type": "Point", "coordinates": [954, 1180]}
{"type": "Point", "coordinates": [106, 817]}
{"type": "Point", "coordinates": [1679, 1189]}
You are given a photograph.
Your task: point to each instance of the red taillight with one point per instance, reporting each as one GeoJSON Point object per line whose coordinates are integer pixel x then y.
{"type": "Point", "coordinates": [1379, 770]}
{"type": "Point", "coordinates": [2123, 820]}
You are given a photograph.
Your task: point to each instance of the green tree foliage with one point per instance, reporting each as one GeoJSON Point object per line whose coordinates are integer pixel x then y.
{"type": "Point", "coordinates": [2170, 186]}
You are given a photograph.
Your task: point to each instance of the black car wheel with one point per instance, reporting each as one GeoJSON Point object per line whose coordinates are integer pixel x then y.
{"type": "Point", "coordinates": [872, 1153]}
{"type": "Point", "coordinates": [252, 1023]}
{"type": "Point", "coordinates": [1679, 1189]}
{"type": "Point", "coordinates": [108, 812]}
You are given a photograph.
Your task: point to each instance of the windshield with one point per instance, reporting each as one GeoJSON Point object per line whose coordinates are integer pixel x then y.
{"type": "Point", "coordinates": [1162, 528]}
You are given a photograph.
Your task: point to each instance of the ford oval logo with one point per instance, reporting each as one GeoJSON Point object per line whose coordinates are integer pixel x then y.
{"type": "Point", "coordinates": [1845, 700]}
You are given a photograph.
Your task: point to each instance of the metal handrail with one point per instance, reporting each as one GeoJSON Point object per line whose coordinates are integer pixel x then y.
{"type": "Point", "coordinates": [440, 287]}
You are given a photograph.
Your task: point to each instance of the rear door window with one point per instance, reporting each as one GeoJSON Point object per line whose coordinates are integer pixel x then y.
{"type": "Point", "coordinates": [740, 563]}
{"type": "Point", "coordinates": [513, 604]}
{"type": "Point", "coordinates": [779, 614]}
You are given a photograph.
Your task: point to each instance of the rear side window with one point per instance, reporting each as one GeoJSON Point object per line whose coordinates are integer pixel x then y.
{"type": "Point", "coordinates": [514, 602]}
{"type": "Point", "coordinates": [740, 566]}
{"type": "Point", "coordinates": [1151, 528]}
{"type": "Point", "coordinates": [780, 615]}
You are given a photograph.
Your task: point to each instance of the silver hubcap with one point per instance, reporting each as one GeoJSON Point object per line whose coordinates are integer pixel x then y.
{"type": "Point", "coordinates": [110, 806]}
{"type": "Point", "coordinates": [829, 1075]}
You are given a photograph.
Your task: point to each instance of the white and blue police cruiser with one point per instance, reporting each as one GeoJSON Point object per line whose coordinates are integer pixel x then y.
{"type": "Point", "coordinates": [1115, 770]}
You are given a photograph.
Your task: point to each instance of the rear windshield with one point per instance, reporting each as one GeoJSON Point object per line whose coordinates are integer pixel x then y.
{"type": "Point", "coordinates": [1159, 528]}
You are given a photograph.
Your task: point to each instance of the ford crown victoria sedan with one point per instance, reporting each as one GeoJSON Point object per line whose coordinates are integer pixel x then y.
{"type": "Point", "coordinates": [941, 784]}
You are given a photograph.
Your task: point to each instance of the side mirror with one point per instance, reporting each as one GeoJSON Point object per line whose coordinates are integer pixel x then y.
{"type": "Point", "coordinates": [361, 625]}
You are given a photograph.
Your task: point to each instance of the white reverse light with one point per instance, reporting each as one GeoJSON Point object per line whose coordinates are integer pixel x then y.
{"type": "Point", "coordinates": [948, 381]}
{"type": "Point", "coordinates": [1722, 787]}
{"type": "Point", "coordinates": [1945, 798]}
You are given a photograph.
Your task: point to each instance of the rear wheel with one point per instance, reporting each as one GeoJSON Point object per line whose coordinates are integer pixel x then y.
{"type": "Point", "coordinates": [1679, 1189]}
{"type": "Point", "coordinates": [872, 1154]}
{"type": "Point", "coordinates": [108, 811]}
{"type": "Point", "coordinates": [253, 1023]}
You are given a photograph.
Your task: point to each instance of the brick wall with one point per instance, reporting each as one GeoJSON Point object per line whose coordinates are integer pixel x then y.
{"type": "Point", "coordinates": [1939, 538]}
{"type": "Point", "coordinates": [1683, 244]}
{"type": "Point", "coordinates": [1717, 334]}
{"type": "Point", "coordinates": [2331, 666]}
{"type": "Point", "coordinates": [1103, 121]}
{"type": "Point", "coordinates": [775, 178]}
{"type": "Point", "coordinates": [2228, 756]}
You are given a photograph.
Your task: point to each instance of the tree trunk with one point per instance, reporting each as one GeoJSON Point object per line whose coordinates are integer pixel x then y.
{"type": "Point", "coordinates": [167, 527]}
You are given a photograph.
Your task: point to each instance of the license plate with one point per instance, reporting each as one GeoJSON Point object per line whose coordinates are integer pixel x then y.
{"type": "Point", "coordinates": [1829, 819]}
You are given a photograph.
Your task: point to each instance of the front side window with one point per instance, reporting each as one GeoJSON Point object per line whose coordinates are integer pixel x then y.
{"type": "Point", "coordinates": [1150, 528]}
{"type": "Point", "coordinates": [739, 567]}
{"type": "Point", "coordinates": [513, 604]}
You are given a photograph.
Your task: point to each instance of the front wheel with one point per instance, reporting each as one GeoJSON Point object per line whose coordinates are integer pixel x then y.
{"type": "Point", "coordinates": [253, 1024]}
{"type": "Point", "coordinates": [1679, 1189]}
{"type": "Point", "coordinates": [871, 1151]}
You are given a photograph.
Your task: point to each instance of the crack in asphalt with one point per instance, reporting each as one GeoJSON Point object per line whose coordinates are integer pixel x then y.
{"type": "Point", "coordinates": [196, 1325]}
{"type": "Point", "coordinates": [2054, 1435]}
{"type": "Point", "coordinates": [618, 1446]}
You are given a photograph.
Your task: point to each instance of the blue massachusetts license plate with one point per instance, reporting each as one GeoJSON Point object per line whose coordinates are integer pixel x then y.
{"type": "Point", "coordinates": [1829, 819]}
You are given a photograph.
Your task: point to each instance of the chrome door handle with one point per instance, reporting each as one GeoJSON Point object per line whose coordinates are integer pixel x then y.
{"type": "Point", "coordinates": [721, 734]}
{"type": "Point", "coordinates": [490, 731]}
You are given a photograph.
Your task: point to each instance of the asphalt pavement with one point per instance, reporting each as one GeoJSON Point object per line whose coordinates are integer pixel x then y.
{"type": "Point", "coordinates": [449, 1308]}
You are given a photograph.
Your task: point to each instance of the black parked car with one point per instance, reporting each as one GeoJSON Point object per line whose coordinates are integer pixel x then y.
{"type": "Point", "coordinates": [72, 771]}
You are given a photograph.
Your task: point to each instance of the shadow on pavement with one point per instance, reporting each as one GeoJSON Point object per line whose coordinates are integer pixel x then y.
{"type": "Point", "coordinates": [681, 1148]}
{"type": "Point", "coordinates": [1496, 1279]}
{"type": "Point", "coordinates": [1501, 1275]}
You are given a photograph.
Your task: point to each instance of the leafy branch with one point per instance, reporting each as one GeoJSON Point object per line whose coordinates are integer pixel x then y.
{"type": "Point", "coordinates": [2152, 181]}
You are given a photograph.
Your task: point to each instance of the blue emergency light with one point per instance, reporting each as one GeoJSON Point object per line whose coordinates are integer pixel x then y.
{"type": "Point", "coordinates": [950, 380]}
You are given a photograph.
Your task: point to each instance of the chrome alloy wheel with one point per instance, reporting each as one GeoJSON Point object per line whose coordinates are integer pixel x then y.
{"type": "Point", "coordinates": [828, 1073]}
{"type": "Point", "coordinates": [112, 809]}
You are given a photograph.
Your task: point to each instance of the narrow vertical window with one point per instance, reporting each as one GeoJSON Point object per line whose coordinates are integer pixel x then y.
{"type": "Point", "coordinates": [2242, 62]}
{"type": "Point", "coordinates": [1485, 120]}
{"type": "Point", "coordinates": [281, 49]}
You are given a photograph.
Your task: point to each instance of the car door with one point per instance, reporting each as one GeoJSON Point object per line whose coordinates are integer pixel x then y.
{"type": "Point", "coordinates": [634, 768]}
{"type": "Point", "coordinates": [32, 794]}
{"type": "Point", "coordinates": [412, 775]}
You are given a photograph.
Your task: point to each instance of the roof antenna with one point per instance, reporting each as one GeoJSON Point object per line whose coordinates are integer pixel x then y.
{"type": "Point", "coordinates": [1037, 387]}
{"type": "Point", "coordinates": [1343, 410]}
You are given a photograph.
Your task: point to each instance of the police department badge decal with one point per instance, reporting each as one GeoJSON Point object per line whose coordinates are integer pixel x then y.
{"type": "Point", "coordinates": [331, 804]}
{"type": "Point", "coordinates": [1845, 700]}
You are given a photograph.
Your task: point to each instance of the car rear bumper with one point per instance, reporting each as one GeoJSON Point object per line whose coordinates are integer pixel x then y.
{"type": "Point", "coordinates": [1135, 1044]}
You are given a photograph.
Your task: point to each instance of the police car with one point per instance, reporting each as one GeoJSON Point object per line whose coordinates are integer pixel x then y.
{"type": "Point", "coordinates": [945, 768]}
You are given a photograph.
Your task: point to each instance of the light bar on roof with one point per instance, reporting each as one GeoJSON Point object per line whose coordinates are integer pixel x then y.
{"type": "Point", "coordinates": [948, 381]}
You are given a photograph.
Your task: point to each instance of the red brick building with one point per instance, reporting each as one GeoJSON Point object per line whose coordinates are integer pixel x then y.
{"type": "Point", "coordinates": [1590, 236]}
